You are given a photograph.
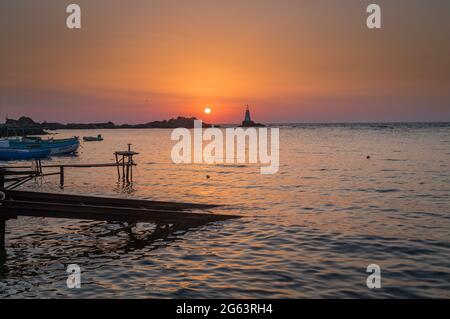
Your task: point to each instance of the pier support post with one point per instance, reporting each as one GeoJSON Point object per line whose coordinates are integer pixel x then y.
{"type": "Point", "coordinates": [61, 176]}
{"type": "Point", "coordinates": [124, 163]}
{"type": "Point", "coordinates": [2, 179]}
{"type": "Point", "coordinates": [2, 233]}
{"type": "Point", "coordinates": [131, 168]}
{"type": "Point", "coordinates": [123, 169]}
{"type": "Point", "coordinates": [118, 168]}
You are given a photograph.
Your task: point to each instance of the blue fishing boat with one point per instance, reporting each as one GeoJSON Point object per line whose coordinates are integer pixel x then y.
{"type": "Point", "coordinates": [11, 154]}
{"type": "Point", "coordinates": [56, 146]}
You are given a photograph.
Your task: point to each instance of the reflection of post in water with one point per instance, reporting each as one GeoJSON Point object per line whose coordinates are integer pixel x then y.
{"type": "Point", "coordinates": [163, 234]}
{"type": "Point", "coordinates": [2, 245]}
{"type": "Point", "coordinates": [168, 217]}
{"type": "Point", "coordinates": [2, 224]}
{"type": "Point", "coordinates": [127, 188]}
{"type": "Point", "coordinates": [162, 231]}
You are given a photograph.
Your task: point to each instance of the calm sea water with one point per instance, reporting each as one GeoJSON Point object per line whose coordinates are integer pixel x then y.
{"type": "Point", "coordinates": [309, 231]}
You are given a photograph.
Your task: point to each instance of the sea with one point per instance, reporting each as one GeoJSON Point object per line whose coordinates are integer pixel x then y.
{"type": "Point", "coordinates": [346, 196]}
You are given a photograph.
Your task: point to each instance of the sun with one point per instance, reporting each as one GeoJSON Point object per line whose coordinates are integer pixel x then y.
{"type": "Point", "coordinates": [207, 110]}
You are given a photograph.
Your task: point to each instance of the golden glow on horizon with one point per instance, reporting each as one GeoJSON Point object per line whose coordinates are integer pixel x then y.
{"type": "Point", "coordinates": [207, 110]}
{"type": "Point", "coordinates": [293, 61]}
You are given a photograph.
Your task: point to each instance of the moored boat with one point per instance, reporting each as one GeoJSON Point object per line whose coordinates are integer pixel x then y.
{"type": "Point", "coordinates": [15, 154]}
{"type": "Point", "coordinates": [97, 138]}
{"type": "Point", "coordinates": [56, 146]}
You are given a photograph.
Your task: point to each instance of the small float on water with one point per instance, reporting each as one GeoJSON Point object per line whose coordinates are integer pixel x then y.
{"type": "Point", "coordinates": [97, 138]}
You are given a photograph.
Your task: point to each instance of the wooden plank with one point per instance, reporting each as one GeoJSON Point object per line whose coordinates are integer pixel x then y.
{"type": "Point", "coordinates": [8, 172]}
{"type": "Point", "coordinates": [126, 153]}
{"type": "Point", "coordinates": [90, 165]}
{"type": "Point", "coordinates": [91, 212]}
{"type": "Point", "coordinates": [94, 200]}
{"type": "Point", "coordinates": [69, 166]}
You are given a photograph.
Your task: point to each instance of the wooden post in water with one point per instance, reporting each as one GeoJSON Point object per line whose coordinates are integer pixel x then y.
{"type": "Point", "coordinates": [128, 164]}
{"type": "Point", "coordinates": [126, 161]}
{"type": "Point", "coordinates": [2, 233]}
{"type": "Point", "coordinates": [131, 168]}
{"type": "Point", "coordinates": [2, 178]}
{"type": "Point", "coordinates": [118, 169]}
{"type": "Point", "coordinates": [61, 177]}
{"type": "Point", "coordinates": [128, 174]}
{"type": "Point", "coordinates": [123, 168]}
{"type": "Point", "coordinates": [2, 220]}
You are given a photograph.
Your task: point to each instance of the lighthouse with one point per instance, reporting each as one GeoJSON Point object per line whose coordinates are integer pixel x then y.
{"type": "Point", "coordinates": [247, 122]}
{"type": "Point", "coordinates": [247, 115]}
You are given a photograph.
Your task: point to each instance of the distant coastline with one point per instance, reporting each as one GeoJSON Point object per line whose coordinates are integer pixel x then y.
{"type": "Point", "coordinates": [27, 126]}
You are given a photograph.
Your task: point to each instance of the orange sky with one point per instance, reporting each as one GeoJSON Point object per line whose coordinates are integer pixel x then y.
{"type": "Point", "coordinates": [291, 60]}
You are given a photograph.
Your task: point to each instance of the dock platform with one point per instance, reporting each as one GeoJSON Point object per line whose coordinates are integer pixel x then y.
{"type": "Point", "coordinates": [52, 205]}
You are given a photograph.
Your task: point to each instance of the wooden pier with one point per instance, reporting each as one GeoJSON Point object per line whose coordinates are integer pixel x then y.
{"type": "Point", "coordinates": [18, 203]}
{"type": "Point", "coordinates": [18, 175]}
{"type": "Point", "coordinates": [15, 203]}
{"type": "Point", "coordinates": [184, 215]}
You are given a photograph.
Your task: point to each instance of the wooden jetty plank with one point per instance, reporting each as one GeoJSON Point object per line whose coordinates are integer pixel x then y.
{"type": "Point", "coordinates": [2, 233]}
{"type": "Point", "coordinates": [92, 212]}
{"type": "Point", "coordinates": [68, 166]}
{"type": "Point", "coordinates": [10, 172]}
{"type": "Point", "coordinates": [125, 153]}
{"type": "Point", "coordinates": [101, 201]}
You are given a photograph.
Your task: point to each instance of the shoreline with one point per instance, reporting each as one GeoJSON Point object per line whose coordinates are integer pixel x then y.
{"type": "Point", "coordinates": [26, 126]}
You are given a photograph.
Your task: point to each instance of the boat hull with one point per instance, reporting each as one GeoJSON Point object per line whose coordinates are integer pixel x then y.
{"type": "Point", "coordinates": [92, 139]}
{"type": "Point", "coordinates": [65, 149]}
{"type": "Point", "coordinates": [9, 154]}
{"type": "Point", "coordinates": [56, 147]}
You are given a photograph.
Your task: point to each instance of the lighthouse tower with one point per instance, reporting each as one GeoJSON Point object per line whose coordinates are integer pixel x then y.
{"type": "Point", "coordinates": [247, 115]}
{"type": "Point", "coordinates": [247, 122]}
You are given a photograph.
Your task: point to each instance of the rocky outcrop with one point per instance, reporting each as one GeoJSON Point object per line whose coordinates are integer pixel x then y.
{"type": "Point", "coordinates": [22, 126]}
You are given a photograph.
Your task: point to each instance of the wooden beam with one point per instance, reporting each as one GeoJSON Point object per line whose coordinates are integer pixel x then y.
{"type": "Point", "coordinates": [103, 201]}
{"type": "Point", "coordinates": [8, 172]}
{"type": "Point", "coordinates": [69, 166]}
{"type": "Point", "coordinates": [108, 213]}
{"type": "Point", "coordinates": [20, 182]}
{"type": "Point", "coordinates": [2, 233]}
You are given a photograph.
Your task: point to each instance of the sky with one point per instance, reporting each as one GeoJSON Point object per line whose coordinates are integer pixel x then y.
{"type": "Point", "coordinates": [291, 60]}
